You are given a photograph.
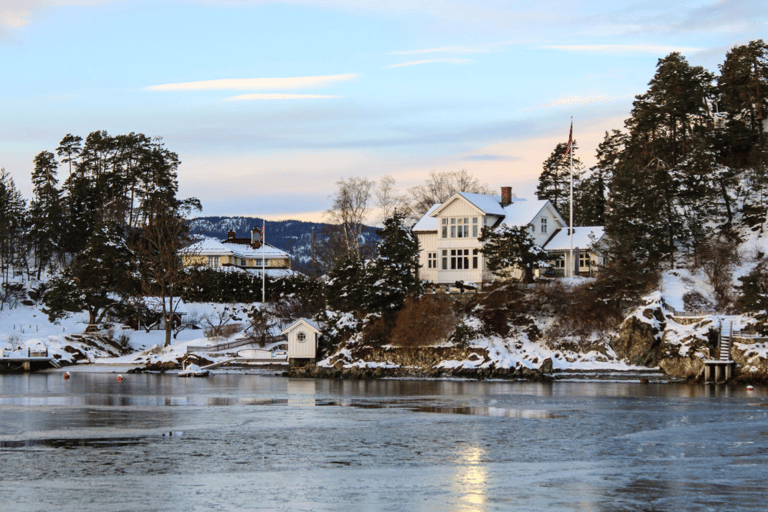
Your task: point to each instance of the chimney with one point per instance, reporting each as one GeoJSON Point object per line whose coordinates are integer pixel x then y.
{"type": "Point", "coordinates": [506, 196]}
{"type": "Point", "coordinates": [231, 235]}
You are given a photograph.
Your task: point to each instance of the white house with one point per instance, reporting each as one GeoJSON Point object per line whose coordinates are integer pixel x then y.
{"type": "Point", "coordinates": [302, 341]}
{"type": "Point", "coordinates": [448, 233]}
{"type": "Point", "coordinates": [586, 250]}
{"type": "Point", "coordinates": [230, 255]}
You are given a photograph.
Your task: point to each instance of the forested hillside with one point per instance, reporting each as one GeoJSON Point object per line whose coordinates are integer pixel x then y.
{"type": "Point", "coordinates": [305, 241]}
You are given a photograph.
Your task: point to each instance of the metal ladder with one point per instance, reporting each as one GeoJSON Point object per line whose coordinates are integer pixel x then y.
{"type": "Point", "coordinates": [726, 330]}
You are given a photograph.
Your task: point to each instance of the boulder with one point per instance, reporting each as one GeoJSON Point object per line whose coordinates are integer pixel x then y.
{"type": "Point", "coordinates": [637, 342]}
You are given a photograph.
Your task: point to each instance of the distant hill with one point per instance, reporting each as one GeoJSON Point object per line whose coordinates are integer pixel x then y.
{"type": "Point", "coordinates": [292, 236]}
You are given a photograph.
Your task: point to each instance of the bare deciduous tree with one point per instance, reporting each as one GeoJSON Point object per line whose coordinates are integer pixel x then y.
{"type": "Point", "coordinates": [442, 185]}
{"type": "Point", "coordinates": [388, 200]}
{"type": "Point", "coordinates": [351, 206]}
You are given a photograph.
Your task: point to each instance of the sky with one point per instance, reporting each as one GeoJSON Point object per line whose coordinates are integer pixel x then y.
{"type": "Point", "coordinates": [270, 103]}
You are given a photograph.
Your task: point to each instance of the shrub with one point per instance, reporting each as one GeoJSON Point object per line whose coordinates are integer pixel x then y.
{"type": "Point", "coordinates": [424, 321]}
{"type": "Point", "coordinates": [222, 331]}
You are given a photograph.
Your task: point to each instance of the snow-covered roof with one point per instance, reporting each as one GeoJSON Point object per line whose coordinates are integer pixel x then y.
{"type": "Point", "coordinates": [212, 247]}
{"type": "Point", "coordinates": [490, 205]}
{"type": "Point", "coordinates": [156, 304]}
{"type": "Point", "coordinates": [583, 238]}
{"type": "Point", "coordinates": [427, 222]}
{"type": "Point", "coordinates": [266, 250]}
{"type": "Point", "coordinates": [208, 247]}
{"type": "Point", "coordinates": [275, 273]}
{"type": "Point", "coordinates": [309, 322]}
{"type": "Point", "coordinates": [522, 213]}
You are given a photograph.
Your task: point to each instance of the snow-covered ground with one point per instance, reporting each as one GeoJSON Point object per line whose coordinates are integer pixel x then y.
{"type": "Point", "coordinates": [27, 328]}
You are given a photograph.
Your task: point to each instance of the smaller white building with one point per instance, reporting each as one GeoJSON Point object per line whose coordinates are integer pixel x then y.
{"type": "Point", "coordinates": [302, 341]}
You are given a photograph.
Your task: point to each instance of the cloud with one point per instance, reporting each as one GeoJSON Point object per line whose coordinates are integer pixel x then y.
{"type": "Point", "coordinates": [278, 96]}
{"type": "Point", "coordinates": [487, 48]}
{"type": "Point", "coordinates": [256, 84]}
{"type": "Point", "coordinates": [619, 49]}
{"type": "Point", "coordinates": [14, 18]}
{"type": "Point", "coordinates": [488, 158]}
{"type": "Point", "coordinates": [579, 101]}
{"type": "Point", "coordinates": [428, 61]}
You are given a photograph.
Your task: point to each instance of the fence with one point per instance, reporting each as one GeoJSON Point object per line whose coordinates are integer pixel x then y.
{"type": "Point", "coordinates": [233, 344]}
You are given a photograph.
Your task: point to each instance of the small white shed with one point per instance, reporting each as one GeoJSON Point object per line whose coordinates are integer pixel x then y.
{"type": "Point", "coordinates": [302, 341]}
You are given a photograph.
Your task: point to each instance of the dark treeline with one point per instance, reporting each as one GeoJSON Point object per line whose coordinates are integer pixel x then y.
{"type": "Point", "coordinates": [687, 172]}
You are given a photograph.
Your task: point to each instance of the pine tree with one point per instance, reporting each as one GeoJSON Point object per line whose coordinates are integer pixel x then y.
{"type": "Point", "coordinates": [555, 177]}
{"type": "Point", "coordinates": [509, 249]}
{"type": "Point", "coordinates": [743, 88]}
{"type": "Point", "coordinates": [46, 211]}
{"type": "Point", "coordinates": [102, 273]}
{"type": "Point", "coordinates": [12, 215]}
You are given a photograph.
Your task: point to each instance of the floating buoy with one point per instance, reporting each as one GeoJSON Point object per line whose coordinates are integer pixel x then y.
{"type": "Point", "coordinates": [66, 375]}
{"type": "Point", "coordinates": [750, 388]}
{"type": "Point", "coordinates": [119, 378]}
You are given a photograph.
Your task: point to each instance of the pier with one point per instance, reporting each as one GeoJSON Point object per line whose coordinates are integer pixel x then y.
{"type": "Point", "coordinates": [31, 361]}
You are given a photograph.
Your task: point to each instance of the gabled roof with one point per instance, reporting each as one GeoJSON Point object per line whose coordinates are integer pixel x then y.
{"type": "Point", "coordinates": [583, 238]}
{"type": "Point", "coordinates": [522, 213]}
{"type": "Point", "coordinates": [427, 222]}
{"type": "Point", "coordinates": [490, 205]}
{"type": "Point", "coordinates": [212, 247]}
{"type": "Point", "coordinates": [307, 321]}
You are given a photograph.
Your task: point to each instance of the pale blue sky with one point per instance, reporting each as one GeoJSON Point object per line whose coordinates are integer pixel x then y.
{"type": "Point", "coordinates": [269, 103]}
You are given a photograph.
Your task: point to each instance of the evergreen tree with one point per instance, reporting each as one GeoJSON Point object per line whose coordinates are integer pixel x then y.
{"type": "Point", "coordinates": [12, 215]}
{"type": "Point", "coordinates": [100, 275]}
{"type": "Point", "coordinates": [555, 178]}
{"type": "Point", "coordinates": [743, 88]}
{"type": "Point", "coordinates": [509, 249]}
{"type": "Point", "coordinates": [46, 221]}
{"type": "Point", "coordinates": [591, 193]}
{"type": "Point", "coordinates": [753, 295]}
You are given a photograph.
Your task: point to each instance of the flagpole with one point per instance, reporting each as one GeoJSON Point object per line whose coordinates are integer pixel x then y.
{"type": "Point", "coordinates": [573, 264]}
{"type": "Point", "coordinates": [263, 266]}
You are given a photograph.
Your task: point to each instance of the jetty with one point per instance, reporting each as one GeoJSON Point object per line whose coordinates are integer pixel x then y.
{"type": "Point", "coordinates": [31, 360]}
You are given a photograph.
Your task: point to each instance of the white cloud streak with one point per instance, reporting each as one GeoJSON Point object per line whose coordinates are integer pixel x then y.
{"type": "Point", "coordinates": [429, 61]}
{"type": "Point", "coordinates": [488, 48]}
{"type": "Point", "coordinates": [256, 84]}
{"type": "Point", "coordinates": [278, 96]}
{"type": "Point", "coordinates": [621, 48]}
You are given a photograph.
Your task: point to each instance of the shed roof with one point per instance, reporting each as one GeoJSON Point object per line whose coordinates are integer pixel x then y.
{"type": "Point", "coordinates": [583, 237]}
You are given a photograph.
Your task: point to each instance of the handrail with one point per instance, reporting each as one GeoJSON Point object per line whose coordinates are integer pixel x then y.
{"type": "Point", "coordinates": [233, 344]}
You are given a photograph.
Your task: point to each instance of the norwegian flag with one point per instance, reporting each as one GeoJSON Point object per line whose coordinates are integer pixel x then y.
{"type": "Point", "coordinates": [570, 143]}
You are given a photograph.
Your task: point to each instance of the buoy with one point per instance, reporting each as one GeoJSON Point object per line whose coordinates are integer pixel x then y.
{"type": "Point", "coordinates": [750, 388]}
{"type": "Point", "coordinates": [119, 378]}
{"type": "Point", "coordinates": [66, 375]}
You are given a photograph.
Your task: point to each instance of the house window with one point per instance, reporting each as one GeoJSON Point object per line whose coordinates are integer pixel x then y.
{"type": "Point", "coordinates": [213, 261]}
{"type": "Point", "coordinates": [445, 228]}
{"type": "Point", "coordinates": [242, 262]}
{"type": "Point", "coordinates": [445, 259]}
{"type": "Point", "coordinates": [544, 225]}
{"type": "Point", "coordinates": [584, 260]}
{"type": "Point", "coordinates": [432, 260]}
{"type": "Point", "coordinates": [474, 227]}
{"type": "Point", "coordinates": [559, 262]}
{"type": "Point", "coordinates": [459, 259]}
{"type": "Point", "coordinates": [474, 257]}
{"type": "Point", "coordinates": [301, 337]}
{"type": "Point", "coordinates": [258, 262]}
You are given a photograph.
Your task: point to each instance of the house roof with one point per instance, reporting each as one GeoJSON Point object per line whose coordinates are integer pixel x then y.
{"type": "Point", "coordinates": [522, 213]}
{"type": "Point", "coordinates": [490, 205]}
{"type": "Point", "coordinates": [427, 222]}
{"type": "Point", "coordinates": [307, 321]}
{"type": "Point", "coordinates": [583, 238]}
{"type": "Point", "coordinates": [212, 247]}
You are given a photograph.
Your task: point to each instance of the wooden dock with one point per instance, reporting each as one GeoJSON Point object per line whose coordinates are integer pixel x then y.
{"type": "Point", "coordinates": [33, 360]}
